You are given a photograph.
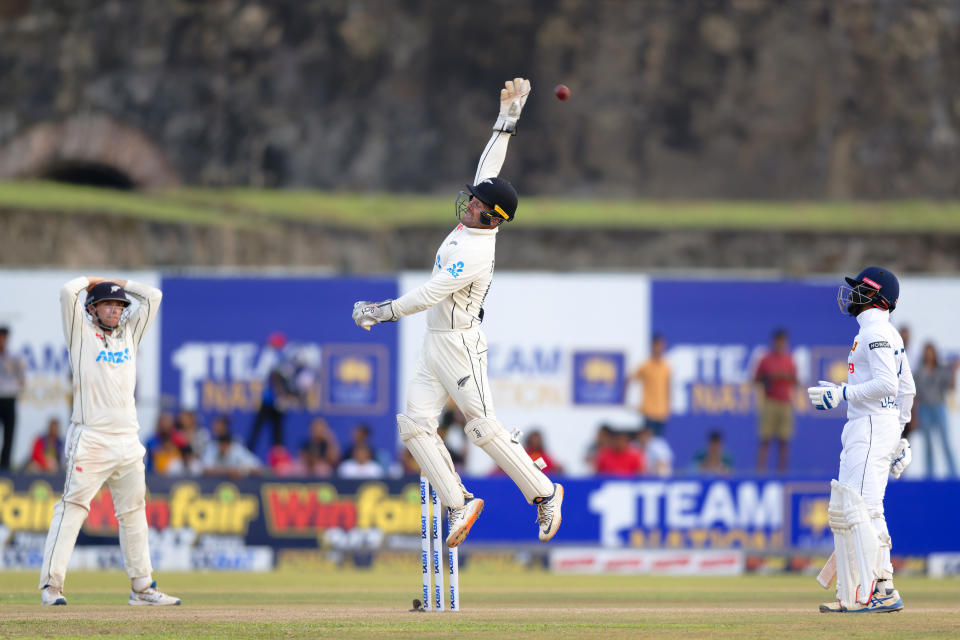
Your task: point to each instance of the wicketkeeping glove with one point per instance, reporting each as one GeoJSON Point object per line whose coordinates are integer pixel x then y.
{"type": "Point", "coordinates": [512, 98]}
{"type": "Point", "coordinates": [366, 314]}
{"type": "Point", "coordinates": [901, 458]}
{"type": "Point", "coordinates": [827, 395]}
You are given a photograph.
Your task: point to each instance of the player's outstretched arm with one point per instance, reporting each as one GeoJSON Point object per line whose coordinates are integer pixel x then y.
{"type": "Point", "coordinates": [512, 98]}
{"type": "Point", "coordinates": [441, 284]}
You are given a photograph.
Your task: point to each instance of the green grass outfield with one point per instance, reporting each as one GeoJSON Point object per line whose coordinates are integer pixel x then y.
{"type": "Point", "coordinates": [263, 207]}
{"type": "Point", "coordinates": [532, 604]}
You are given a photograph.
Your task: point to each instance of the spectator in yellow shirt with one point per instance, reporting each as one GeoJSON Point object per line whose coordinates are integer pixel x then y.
{"type": "Point", "coordinates": [654, 377]}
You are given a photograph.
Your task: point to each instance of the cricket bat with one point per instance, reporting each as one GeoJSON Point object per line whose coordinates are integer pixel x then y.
{"type": "Point", "coordinates": [829, 571]}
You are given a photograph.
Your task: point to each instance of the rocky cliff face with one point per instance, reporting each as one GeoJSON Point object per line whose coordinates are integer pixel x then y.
{"type": "Point", "coordinates": [39, 239]}
{"type": "Point", "coordinates": [728, 98]}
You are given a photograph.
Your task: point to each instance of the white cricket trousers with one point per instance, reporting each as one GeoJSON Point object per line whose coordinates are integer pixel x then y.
{"type": "Point", "coordinates": [94, 459]}
{"type": "Point", "coordinates": [869, 444]}
{"type": "Point", "coordinates": [452, 364]}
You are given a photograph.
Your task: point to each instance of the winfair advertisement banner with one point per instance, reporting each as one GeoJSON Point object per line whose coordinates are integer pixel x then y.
{"type": "Point", "coordinates": [222, 523]}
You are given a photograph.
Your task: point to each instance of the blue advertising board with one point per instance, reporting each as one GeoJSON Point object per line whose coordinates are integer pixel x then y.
{"type": "Point", "coordinates": [678, 513]}
{"type": "Point", "coordinates": [716, 333]}
{"type": "Point", "coordinates": [216, 354]}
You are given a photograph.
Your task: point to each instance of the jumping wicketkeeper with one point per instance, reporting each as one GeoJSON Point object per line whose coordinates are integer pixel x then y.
{"type": "Point", "coordinates": [453, 359]}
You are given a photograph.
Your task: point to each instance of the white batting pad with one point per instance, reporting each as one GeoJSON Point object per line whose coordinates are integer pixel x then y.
{"type": "Point", "coordinates": [428, 450]}
{"type": "Point", "coordinates": [884, 566]}
{"type": "Point", "coordinates": [510, 456]}
{"type": "Point", "coordinates": [856, 543]}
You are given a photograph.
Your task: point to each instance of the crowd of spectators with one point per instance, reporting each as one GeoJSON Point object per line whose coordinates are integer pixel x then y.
{"type": "Point", "coordinates": [181, 447]}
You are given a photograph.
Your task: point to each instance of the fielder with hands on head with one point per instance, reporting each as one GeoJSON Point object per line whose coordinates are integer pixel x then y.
{"type": "Point", "coordinates": [879, 394]}
{"type": "Point", "coordinates": [453, 358]}
{"type": "Point", "coordinates": [103, 333]}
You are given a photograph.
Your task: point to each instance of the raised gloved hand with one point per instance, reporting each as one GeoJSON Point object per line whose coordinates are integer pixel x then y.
{"type": "Point", "coordinates": [512, 98]}
{"type": "Point", "coordinates": [901, 458]}
{"type": "Point", "coordinates": [827, 395]}
{"type": "Point", "coordinates": [366, 314]}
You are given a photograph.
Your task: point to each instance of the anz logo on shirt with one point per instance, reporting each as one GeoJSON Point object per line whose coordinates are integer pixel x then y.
{"type": "Point", "coordinates": [455, 269]}
{"type": "Point", "coordinates": [115, 357]}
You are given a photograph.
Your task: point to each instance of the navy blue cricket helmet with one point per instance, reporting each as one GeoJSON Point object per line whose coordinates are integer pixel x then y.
{"type": "Point", "coordinates": [496, 193]}
{"type": "Point", "coordinates": [874, 286]}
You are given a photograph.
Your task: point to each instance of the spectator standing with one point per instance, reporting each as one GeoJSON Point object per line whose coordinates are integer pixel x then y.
{"type": "Point", "coordinates": [934, 380]}
{"type": "Point", "coordinates": [278, 390]}
{"type": "Point", "coordinates": [12, 380]}
{"type": "Point", "coordinates": [47, 450]}
{"type": "Point", "coordinates": [777, 375]}
{"type": "Point", "coordinates": [654, 377]}
{"type": "Point", "coordinates": [714, 459]}
{"type": "Point", "coordinates": [621, 458]}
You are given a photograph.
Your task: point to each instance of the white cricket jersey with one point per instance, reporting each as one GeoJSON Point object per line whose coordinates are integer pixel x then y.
{"type": "Point", "coordinates": [104, 366]}
{"type": "Point", "coordinates": [462, 273]}
{"type": "Point", "coordinates": [463, 267]}
{"type": "Point", "coordinates": [878, 374]}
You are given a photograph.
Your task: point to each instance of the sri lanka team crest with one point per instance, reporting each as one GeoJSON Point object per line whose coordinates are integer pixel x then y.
{"type": "Point", "coordinates": [598, 377]}
{"type": "Point", "coordinates": [355, 378]}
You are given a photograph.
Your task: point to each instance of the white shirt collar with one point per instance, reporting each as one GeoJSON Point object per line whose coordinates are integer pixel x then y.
{"type": "Point", "coordinates": [873, 315]}
{"type": "Point", "coordinates": [482, 232]}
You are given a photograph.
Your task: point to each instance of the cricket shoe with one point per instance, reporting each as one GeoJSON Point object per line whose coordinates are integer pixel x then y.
{"type": "Point", "coordinates": [460, 521]}
{"type": "Point", "coordinates": [548, 512]}
{"type": "Point", "coordinates": [882, 601]}
{"type": "Point", "coordinates": [152, 596]}
{"type": "Point", "coordinates": [51, 596]}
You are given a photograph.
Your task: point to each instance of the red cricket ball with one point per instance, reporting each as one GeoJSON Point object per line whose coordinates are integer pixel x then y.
{"type": "Point", "coordinates": [562, 92]}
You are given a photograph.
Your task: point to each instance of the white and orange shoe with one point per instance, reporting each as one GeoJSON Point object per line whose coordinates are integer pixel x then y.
{"type": "Point", "coordinates": [460, 520]}
{"type": "Point", "coordinates": [548, 513]}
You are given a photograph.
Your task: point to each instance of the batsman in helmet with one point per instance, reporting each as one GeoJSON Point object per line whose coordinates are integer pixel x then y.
{"type": "Point", "coordinates": [453, 358]}
{"type": "Point", "coordinates": [879, 394]}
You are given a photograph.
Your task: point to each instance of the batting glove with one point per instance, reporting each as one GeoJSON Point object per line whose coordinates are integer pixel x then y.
{"type": "Point", "coordinates": [512, 98]}
{"type": "Point", "coordinates": [827, 395]}
{"type": "Point", "coordinates": [366, 314]}
{"type": "Point", "coordinates": [901, 458]}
